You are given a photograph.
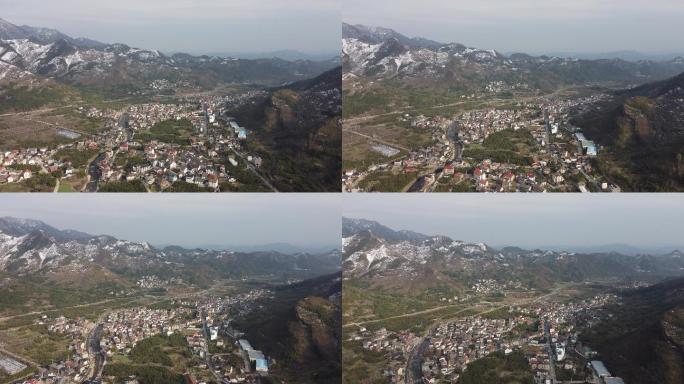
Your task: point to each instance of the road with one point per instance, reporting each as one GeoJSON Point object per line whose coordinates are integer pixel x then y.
{"type": "Point", "coordinates": [590, 179]}
{"type": "Point", "coordinates": [53, 125]}
{"type": "Point", "coordinates": [407, 315]}
{"type": "Point", "coordinates": [414, 364]}
{"type": "Point", "coordinates": [42, 110]}
{"type": "Point", "coordinates": [2, 319]}
{"type": "Point", "coordinates": [489, 103]}
{"type": "Point", "coordinates": [254, 170]}
{"type": "Point", "coordinates": [376, 139]}
{"type": "Point", "coordinates": [425, 311]}
{"type": "Point", "coordinates": [549, 350]}
{"type": "Point", "coordinates": [207, 355]}
{"type": "Point", "coordinates": [94, 173]}
{"type": "Point", "coordinates": [96, 351]}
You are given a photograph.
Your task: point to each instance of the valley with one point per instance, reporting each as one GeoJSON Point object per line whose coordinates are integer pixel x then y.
{"type": "Point", "coordinates": [136, 120]}
{"type": "Point", "coordinates": [425, 116]}
{"type": "Point", "coordinates": [96, 309]}
{"type": "Point", "coordinates": [422, 308]}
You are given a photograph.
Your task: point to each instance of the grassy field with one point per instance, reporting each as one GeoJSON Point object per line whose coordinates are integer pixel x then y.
{"type": "Point", "coordinates": [361, 365]}
{"type": "Point", "coordinates": [123, 186]}
{"type": "Point", "coordinates": [65, 187]}
{"type": "Point", "coordinates": [18, 132]}
{"type": "Point", "coordinates": [499, 368]}
{"type": "Point", "coordinates": [34, 342]}
{"type": "Point", "coordinates": [69, 117]}
{"type": "Point", "coordinates": [17, 98]}
{"type": "Point", "coordinates": [169, 131]}
{"type": "Point", "coordinates": [78, 158]}
{"type": "Point", "coordinates": [171, 351]}
{"type": "Point", "coordinates": [37, 183]}
{"type": "Point", "coordinates": [387, 181]}
{"type": "Point", "coordinates": [356, 148]}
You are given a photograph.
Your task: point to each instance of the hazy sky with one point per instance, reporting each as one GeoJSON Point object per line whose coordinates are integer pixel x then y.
{"type": "Point", "coordinates": [531, 220]}
{"type": "Point", "coordinates": [189, 219]}
{"type": "Point", "coordinates": [532, 26]}
{"type": "Point", "coordinates": [193, 26]}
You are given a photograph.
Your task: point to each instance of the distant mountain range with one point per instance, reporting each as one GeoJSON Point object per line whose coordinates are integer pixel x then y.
{"type": "Point", "coordinates": [38, 53]}
{"type": "Point", "coordinates": [626, 55]}
{"type": "Point", "coordinates": [382, 53]}
{"type": "Point", "coordinates": [285, 248]}
{"type": "Point", "coordinates": [624, 249]}
{"type": "Point", "coordinates": [30, 247]}
{"type": "Point", "coordinates": [405, 261]}
{"type": "Point", "coordinates": [285, 54]}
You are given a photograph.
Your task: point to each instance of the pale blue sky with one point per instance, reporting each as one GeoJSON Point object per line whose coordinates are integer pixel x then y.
{"type": "Point", "coordinates": [532, 26]}
{"type": "Point", "coordinates": [531, 220]}
{"type": "Point", "coordinates": [193, 26]}
{"type": "Point", "coordinates": [189, 219]}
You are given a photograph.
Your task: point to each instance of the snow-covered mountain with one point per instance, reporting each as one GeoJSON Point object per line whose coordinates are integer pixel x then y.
{"type": "Point", "coordinates": [28, 51]}
{"type": "Point", "coordinates": [381, 53]}
{"type": "Point", "coordinates": [30, 246]}
{"type": "Point", "coordinates": [381, 256]}
{"type": "Point", "coordinates": [9, 31]}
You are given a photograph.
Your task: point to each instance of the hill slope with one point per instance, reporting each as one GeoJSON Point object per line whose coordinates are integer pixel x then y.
{"type": "Point", "coordinates": [297, 133]}
{"type": "Point", "coordinates": [643, 341]}
{"type": "Point", "coordinates": [643, 129]}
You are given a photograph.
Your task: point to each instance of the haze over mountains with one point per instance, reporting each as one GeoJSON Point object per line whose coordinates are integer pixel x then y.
{"type": "Point", "coordinates": [30, 247]}
{"type": "Point", "coordinates": [285, 54]}
{"type": "Point", "coordinates": [627, 55]}
{"type": "Point", "coordinates": [403, 260]}
{"type": "Point", "coordinates": [285, 248]}
{"type": "Point", "coordinates": [382, 53]}
{"type": "Point", "coordinates": [29, 53]}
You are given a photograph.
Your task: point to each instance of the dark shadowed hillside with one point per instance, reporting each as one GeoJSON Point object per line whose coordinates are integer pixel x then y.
{"type": "Point", "coordinates": [306, 319]}
{"type": "Point", "coordinates": [643, 130]}
{"type": "Point", "coordinates": [297, 133]}
{"type": "Point", "coordinates": [643, 342]}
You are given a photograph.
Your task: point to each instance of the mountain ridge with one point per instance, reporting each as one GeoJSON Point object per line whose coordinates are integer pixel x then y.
{"type": "Point", "coordinates": [383, 54]}
{"type": "Point", "coordinates": [30, 247]}
{"type": "Point", "coordinates": [30, 53]}
{"type": "Point", "coordinates": [394, 262]}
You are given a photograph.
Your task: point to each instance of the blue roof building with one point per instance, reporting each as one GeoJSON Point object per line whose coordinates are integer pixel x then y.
{"type": "Point", "coordinates": [261, 365]}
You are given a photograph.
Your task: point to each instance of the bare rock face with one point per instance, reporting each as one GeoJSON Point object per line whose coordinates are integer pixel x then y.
{"type": "Point", "coordinates": [316, 329]}
{"type": "Point", "coordinates": [643, 130]}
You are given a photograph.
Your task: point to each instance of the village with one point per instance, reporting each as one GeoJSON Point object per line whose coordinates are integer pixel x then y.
{"type": "Point", "coordinates": [527, 147]}
{"type": "Point", "coordinates": [545, 333]}
{"type": "Point", "coordinates": [195, 338]}
{"type": "Point", "coordinates": [190, 143]}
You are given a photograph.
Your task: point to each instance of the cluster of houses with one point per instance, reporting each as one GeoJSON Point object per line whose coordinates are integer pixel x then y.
{"type": "Point", "coordinates": [76, 366]}
{"type": "Point", "coordinates": [544, 332]}
{"type": "Point", "coordinates": [560, 160]}
{"type": "Point", "coordinates": [123, 329]}
{"type": "Point", "coordinates": [21, 164]}
{"type": "Point", "coordinates": [202, 162]}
